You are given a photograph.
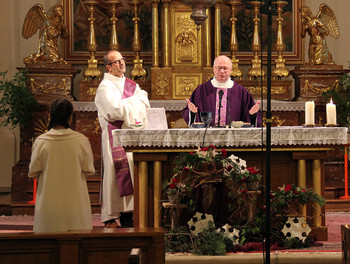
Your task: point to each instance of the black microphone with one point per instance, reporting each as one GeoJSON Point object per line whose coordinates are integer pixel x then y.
{"type": "Point", "coordinates": [221, 94]}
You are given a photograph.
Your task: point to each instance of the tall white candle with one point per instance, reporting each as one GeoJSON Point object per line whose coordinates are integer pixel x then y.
{"type": "Point", "coordinates": [331, 113]}
{"type": "Point", "coordinates": [310, 113]}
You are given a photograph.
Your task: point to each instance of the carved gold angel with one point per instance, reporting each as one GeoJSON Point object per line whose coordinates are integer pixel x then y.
{"type": "Point", "coordinates": [319, 27]}
{"type": "Point", "coordinates": [51, 28]}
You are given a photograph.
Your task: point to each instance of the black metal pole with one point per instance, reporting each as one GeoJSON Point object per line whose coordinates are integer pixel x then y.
{"type": "Point", "coordinates": [268, 134]}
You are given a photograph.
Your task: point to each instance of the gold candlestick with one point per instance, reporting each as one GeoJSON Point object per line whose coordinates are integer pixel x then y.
{"type": "Point", "coordinates": [138, 72]}
{"type": "Point", "coordinates": [92, 71]}
{"type": "Point", "coordinates": [236, 71]}
{"type": "Point", "coordinates": [280, 70]}
{"type": "Point", "coordinates": [256, 71]}
{"type": "Point", "coordinates": [113, 44]}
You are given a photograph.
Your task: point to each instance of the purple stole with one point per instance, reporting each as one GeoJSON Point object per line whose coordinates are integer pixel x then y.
{"type": "Point", "coordinates": [120, 160]}
{"type": "Point", "coordinates": [223, 108]}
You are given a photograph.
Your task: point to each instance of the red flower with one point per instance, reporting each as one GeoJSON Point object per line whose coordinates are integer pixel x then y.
{"type": "Point", "coordinates": [295, 192]}
{"type": "Point", "coordinates": [191, 153]}
{"type": "Point", "coordinates": [288, 187]}
{"type": "Point", "coordinates": [205, 149]}
{"type": "Point", "coordinates": [304, 190]}
{"type": "Point", "coordinates": [224, 153]}
{"type": "Point", "coordinates": [229, 168]}
{"type": "Point", "coordinates": [186, 168]}
{"type": "Point", "coordinates": [172, 186]}
{"type": "Point", "coordinates": [212, 146]}
{"type": "Point", "coordinates": [243, 191]}
{"type": "Point", "coordinates": [264, 208]}
{"type": "Point", "coordinates": [272, 196]}
{"type": "Point", "coordinates": [174, 181]}
{"type": "Point", "coordinates": [252, 170]}
{"type": "Point", "coordinates": [244, 179]}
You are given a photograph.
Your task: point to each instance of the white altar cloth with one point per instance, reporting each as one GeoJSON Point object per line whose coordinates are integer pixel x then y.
{"type": "Point", "coordinates": [231, 137]}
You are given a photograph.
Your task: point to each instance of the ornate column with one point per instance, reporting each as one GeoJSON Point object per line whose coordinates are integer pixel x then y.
{"type": "Point", "coordinates": [280, 70]}
{"type": "Point", "coordinates": [166, 33]}
{"type": "Point", "coordinates": [256, 71]}
{"type": "Point", "coordinates": [138, 72]}
{"type": "Point", "coordinates": [155, 34]}
{"type": "Point", "coordinates": [217, 28]}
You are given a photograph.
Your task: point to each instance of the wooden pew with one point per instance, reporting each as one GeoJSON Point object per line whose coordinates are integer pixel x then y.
{"type": "Point", "coordinates": [100, 245]}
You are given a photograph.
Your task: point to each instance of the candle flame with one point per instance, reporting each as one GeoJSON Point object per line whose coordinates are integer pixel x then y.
{"type": "Point", "coordinates": [331, 102]}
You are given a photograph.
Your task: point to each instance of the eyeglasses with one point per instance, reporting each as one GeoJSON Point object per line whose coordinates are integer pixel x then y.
{"type": "Point", "coordinates": [219, 68]}
{"type": "Point", "coordinates": [118, 61]}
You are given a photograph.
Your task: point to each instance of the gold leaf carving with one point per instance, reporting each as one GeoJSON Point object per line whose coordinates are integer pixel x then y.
{"type": "Point", "coordinates": [274, 89]}
{"type": "Point", "coordinates": [162, 84]}
{"type": "Point", "coordinates": [309, 87]}
{"type": "Point", "coordinates": [62, 86]}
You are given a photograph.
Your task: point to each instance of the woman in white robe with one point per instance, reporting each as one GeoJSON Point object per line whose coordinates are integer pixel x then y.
{"type": "Point", "coordinates": [60, 161]}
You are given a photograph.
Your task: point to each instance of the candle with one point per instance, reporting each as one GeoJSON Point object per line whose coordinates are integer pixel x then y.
{"type": "Point", "coordinates": [310, 113]}
{"type": "Point", "coordinates": [331, 113]}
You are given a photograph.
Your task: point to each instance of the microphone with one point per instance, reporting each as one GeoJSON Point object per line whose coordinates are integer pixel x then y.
{"type": "Point", "coordinates": [221, 94]}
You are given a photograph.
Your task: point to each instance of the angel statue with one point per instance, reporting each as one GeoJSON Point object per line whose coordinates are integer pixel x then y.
{"type": "Point", "coordinates": [319, 27]}
{"type": "Point", "coordinates": [51, 27]}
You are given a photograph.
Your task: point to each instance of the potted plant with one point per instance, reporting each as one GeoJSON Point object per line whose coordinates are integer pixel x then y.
{"type": "Point", "coordinates": [174, 189]}
{"type": "Point", "coordinates": [16, 102]}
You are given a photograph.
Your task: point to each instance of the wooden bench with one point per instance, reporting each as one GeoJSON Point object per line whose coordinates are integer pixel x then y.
{"type": "Point", "coordinates": [100, 245]}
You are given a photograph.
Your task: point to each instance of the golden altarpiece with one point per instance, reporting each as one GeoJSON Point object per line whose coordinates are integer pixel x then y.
{"type": "Point", "coordinates": [181, 58]}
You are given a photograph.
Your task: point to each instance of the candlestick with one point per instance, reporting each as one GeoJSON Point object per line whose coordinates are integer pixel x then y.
{"type": "Point", "coordinates": [331, 113]}
{"type": "Point", "coordinates": [310, 113]}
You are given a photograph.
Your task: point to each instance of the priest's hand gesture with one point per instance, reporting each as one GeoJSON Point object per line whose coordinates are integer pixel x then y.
{"type": "Point", "coordinates": [255, 108]}
{"type": "Point", "coordinates": [193, 108]}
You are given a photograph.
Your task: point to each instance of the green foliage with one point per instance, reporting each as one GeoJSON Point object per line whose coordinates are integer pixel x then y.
{"type": "Point", "coordinates": [178, 240]}
{"type": "Point", "coordinates": [296, 243]}
{"type": "Point", "coordinates": [210, 242]}
{"type": "Point", "coordinates": [17, 102]}
{"type": "Point", "coordinates": [293, 194]}
{"type": "Point", "coordinates": [340, 95]}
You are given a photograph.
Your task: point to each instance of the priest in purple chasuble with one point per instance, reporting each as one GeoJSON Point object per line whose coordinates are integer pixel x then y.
{"type": "Point", "coordinates": [121, 104]}
{"type": "Point", "coordinates": [237, 104]}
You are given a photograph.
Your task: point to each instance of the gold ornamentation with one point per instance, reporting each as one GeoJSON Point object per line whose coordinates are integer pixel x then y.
{"type": "Point", "coordinates": [185, 84]}
{"type": "Point", "coordinates": [275, 121]}
{"type": "Point", "coordinates": [236, 71]}
{"type": "Point", "coordinates": [113, 44]}
{"type": "Point", "coordinates": [92, 71]}
{"type": "Point", "coordinates": [91, 91]}
{"type": "Point", "coordinates": [256, 71]}
{"type": "Point", "coordinates": [97, 129]}
{"type": "Point", "coordinates": [186, 41]}
{"type": "Point", "coordinates": [138, 72]}
{"type": "Point", "coordinates": [319, 27]}
{"type": "Point", "coordinates": [51, 27]}
{"type": "Point", "coordinates": [62, 86]}
{"type": "Point", "coordinates": [162, 84]}
{"type": "Point", "coordinates": [280, 70]}
{"type": "Point", "coordinates": [41, 126]}
{"type": "Point", "coordinates": [309, 87]}
{"type": "Point", "coordinates": [257, 89]}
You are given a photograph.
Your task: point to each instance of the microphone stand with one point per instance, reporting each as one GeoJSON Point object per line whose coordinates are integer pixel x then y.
{"type": "Point", "coordinates": [221, 93]}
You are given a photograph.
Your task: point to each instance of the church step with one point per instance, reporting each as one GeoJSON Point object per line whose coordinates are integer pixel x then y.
{"type": "Point", "coordinates": [334, 192]}
{"type": "Point", "coordinates": [336, 205]}
{"type": "Point", "coordinates": [28, 209]}
{"type": "Point", "coordinates": [93, 183]}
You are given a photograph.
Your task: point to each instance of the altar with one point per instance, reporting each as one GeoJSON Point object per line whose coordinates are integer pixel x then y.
{"type": "Point", "coordinates": [297, 156]}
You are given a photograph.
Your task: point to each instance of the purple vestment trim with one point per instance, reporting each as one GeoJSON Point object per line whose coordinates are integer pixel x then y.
{"type": "Point", "coordinates": [223, 107]}
{"type": "Point", "coordinates": [120, 160]}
